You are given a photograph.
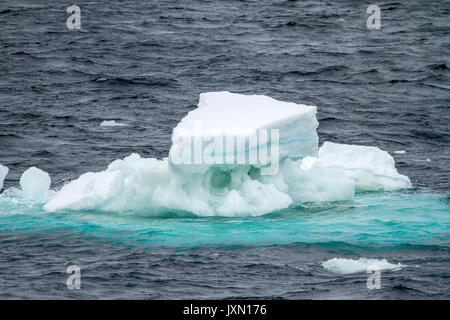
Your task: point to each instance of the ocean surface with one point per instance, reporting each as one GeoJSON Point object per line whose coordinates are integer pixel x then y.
{"type": "Point", "coordinates": [143, 64]}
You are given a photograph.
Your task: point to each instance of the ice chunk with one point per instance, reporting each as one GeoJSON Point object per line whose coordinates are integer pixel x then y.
{"type": "Point", "coordinates": [350, 266]}
{"type": "Point", "coordinates": [112, 123]}
{"type": "Point", "coordinates": [35, 184]}
{"type": "Point", "coordinates": [3, 173]}
{"type": "Point", "coordinates": [149, 186]}
{"type": "Point", "coordinates": [371, 168]}
{"type": "Point", "coordinates": [235, 119]}
{"type": "Point", "coordinates": [316, 183]}
{"type": "Point", "coordinates": [89, 191]}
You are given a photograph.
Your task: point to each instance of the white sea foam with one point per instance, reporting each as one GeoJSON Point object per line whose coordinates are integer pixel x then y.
{"type": "Point", "coordinates": [350, 266]}
{"type": "Point", "coordinates": [112, 123]}
{"type": "Point", "coordinates": [400, 152]}
{"type": "Point", "coordinates": [3, 173]}
{"type": "Point", "coordinates": [305, 173]}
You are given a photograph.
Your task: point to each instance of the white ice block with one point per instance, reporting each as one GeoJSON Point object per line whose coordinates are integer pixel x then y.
{"type": "Point", "coordinates": [239, 118]}
{"type": "Point", "coordinates": [362, 265]}
{"type": "Point", "coordinates": [370, 167]}
{"type": "Point", "coordinates": [3, 173]}
{"type": "Point", "coordinates": [35, 184]}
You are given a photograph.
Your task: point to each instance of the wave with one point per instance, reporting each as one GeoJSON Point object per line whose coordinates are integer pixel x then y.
{"type": "Point", "coordinates": [139, 80]}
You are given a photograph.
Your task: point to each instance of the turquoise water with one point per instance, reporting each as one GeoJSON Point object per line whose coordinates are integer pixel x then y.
{"type": "Point", "coordinates": [411, 217]}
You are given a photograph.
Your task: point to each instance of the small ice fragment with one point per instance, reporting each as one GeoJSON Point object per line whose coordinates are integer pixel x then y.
{"type": "Point", "coordinates": [400, 151]}
{"type": "Point", "coordinates": [308, 162]}
{"type": "Point", "coordinates": [350, 266]}
{"type": "Point", "coordinates": [35, 184]}
{"type": "Point", "coordinates": [112, 123]}
{"type": "Point", "coordinates": [3, 173]}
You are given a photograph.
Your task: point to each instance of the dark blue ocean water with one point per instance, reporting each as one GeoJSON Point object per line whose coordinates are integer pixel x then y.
{"type": "Point", "coordinates": [144, 63]}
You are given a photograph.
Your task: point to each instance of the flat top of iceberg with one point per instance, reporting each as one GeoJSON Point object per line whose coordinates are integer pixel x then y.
{"type": "Point", "coordinates": [227, 112]}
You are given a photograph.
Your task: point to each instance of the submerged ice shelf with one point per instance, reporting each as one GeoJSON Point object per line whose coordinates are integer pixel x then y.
{"type": "Point", "coordinates": [304, 172]}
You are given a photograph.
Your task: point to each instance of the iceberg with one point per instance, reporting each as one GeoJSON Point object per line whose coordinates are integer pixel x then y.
{"type": "Point", "coordinates": [3, 173]}
{"type": "Point", "coordinates": [35, 184]}
{"type": "Point", "coordinates": [304, 172]}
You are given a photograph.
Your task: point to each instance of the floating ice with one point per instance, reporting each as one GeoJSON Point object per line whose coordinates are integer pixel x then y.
{"type": "Point", "coordinates": [350, 266]}
{"type": "Point", "coordinates": [370, 167]}
{"type": "Point", "coordinates": [35, 184]}
{"type": "Point", "coordinates": [243, 123]}
{"type": "Point", "coordinates": [112, 123]}
{"type": "Point", "coordinates": [233, 189]}
{"type": "Point", "coordinates": [318, 183]}
{"type": "Point", "coordinates": [149, 185]}
{"type": "Point", "coordinates": [3, 173]}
